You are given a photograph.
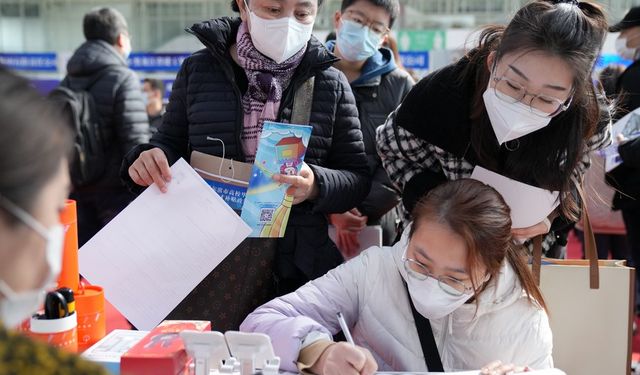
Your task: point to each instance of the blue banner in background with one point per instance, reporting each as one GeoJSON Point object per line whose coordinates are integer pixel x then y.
{"type": "Point", "coordinates": [44, 86]}
{"type": "Point", "coordinates": [165, 62]}
{"type": "Point", "coordinates": [610, 59]}
{"type": "Point", "coordinates": [415, 60]}
{"type": "Point", "coordinates": [39, 62]}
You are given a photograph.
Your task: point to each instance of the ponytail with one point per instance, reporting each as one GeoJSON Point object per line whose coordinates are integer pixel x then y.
{"type": "Point", "coordinates": [518, 263]}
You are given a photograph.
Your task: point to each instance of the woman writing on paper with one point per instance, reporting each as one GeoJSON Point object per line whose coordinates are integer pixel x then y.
{"type": "Point", "coordinates": [521, 104]}
{"type": "Point", "coordinates": [34, 185]}
{"type": "Point", "coordinates": [456, 266]}
{"type": "Point", "coordinates": [249, 73]}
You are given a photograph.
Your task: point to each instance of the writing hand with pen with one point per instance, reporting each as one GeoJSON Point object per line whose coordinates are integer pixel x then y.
{"type": "Point", "coordinates": [345, 358]}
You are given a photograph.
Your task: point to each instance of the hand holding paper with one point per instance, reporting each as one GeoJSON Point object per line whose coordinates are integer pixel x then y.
{"type": "Point", "coordinates": [161, 246]}
{"type": "Point", "coordinates": [530, 232]}
{"type": "Point", "coordinates": [151, 167]}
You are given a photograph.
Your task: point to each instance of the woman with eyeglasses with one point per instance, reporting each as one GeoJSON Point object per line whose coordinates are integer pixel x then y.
{"type": "Point", "coordinates": [521, 104]}
{"type": "Point", "coordinates": [456, 266]}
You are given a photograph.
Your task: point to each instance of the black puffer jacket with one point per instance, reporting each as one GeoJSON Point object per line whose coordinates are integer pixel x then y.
{"type": "Point", "coordinates": [97, 67]}
{"type": "Point", "coordinates": [626, 177]}
{"type": "Point", "coordinates": [376, 99]}
{"type": "Point", "coordinates": [206, 102]}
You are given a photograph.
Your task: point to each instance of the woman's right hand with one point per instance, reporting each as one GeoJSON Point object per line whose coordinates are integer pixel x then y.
{"type": "Point", "coordinates": [343, 358]}
{"type": "Point", "coordinates": [151, 166]}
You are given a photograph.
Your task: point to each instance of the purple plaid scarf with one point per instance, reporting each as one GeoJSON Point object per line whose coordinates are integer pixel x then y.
{"type": "Point", "coordinates": [267, 82]}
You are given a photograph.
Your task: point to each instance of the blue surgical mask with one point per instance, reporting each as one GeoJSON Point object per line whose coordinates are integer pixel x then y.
{"type": "Point", "coordinates": [356, 42]}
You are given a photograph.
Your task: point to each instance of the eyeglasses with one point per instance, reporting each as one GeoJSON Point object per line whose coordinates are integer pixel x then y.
{"type": "Point", "coordinates": [377, 28]}
{"type": "Point", "coordinates": [448, 284]}
{"type": "Point", "coordinates": [542, 105]}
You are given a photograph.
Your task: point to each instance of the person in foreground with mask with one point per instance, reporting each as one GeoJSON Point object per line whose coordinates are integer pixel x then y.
{"type": "Point", "coordinates": [249, 73]}
{"type": "Point", "coordinates": [521, 104]}
{"type": "Point", "coordinates": [363, 26]}
{"type": "Point", "coordinates": [456, 265]}
{"type": "Point", "coordinates": [34, 185]}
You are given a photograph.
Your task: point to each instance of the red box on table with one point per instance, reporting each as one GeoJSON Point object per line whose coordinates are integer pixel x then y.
{"type": "Point", "coordinates": [162, 351]}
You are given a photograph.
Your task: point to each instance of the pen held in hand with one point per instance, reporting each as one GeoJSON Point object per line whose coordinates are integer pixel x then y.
{"type": "Point", "coordinates": [345, 328]}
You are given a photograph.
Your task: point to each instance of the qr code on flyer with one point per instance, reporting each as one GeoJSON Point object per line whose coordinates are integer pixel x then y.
{"type": "Point", "coordinates": [266, 215]}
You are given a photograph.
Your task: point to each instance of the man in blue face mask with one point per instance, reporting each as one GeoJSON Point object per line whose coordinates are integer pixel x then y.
{"type": "Point", "coordinates": [379, 85]}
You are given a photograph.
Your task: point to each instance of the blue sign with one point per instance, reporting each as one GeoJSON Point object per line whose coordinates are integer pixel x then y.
{"type": "Point", "coordinates": [157, 61]}
{"type": "Point", "coordinates": [41, 62]}
{"type": "Point", "coordinates": [44, 86]}
{"type": "Point", "coordinates": [415, 60]}
{"type": "Point", "coordinates": [609, 59]}
{"type": "Point", "coordinates": [232, 194]}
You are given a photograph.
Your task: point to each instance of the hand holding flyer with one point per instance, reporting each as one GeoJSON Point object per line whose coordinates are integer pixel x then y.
{"type": "Point", "coordinates": [281, 151]}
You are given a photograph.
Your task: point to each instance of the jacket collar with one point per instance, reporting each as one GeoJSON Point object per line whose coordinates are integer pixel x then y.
{"type": "Point", "coordinates": [381, 63]}
{"type": "Point", "coordinates": [93, 56]}
{"type": "Point", "coordinates": [219, 34]}
{"type": "Point", "coordinates": [439, 106]}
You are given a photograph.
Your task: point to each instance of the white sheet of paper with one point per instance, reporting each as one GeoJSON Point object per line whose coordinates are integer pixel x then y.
{"type": "Point", "coordinates": [529, 204]}
{"type": "Point", "coordinates": [161, 246]}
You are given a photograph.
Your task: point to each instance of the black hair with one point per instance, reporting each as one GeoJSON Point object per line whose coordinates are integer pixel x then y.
{"type": "Point", "coordinates": [390, 6]}
{"type": "Point", "coordinates": [155, 84]}
{"type": "Point", "coordinates": [608, 78]}
{"type": "Point", "coordinates": [234, 5]}
{"type": "Point", "coordinates": [104, 24]}
{"type": "Point", "coordinates": [574, 32]}
{"type": "Point", "coordinates": [33, 142]}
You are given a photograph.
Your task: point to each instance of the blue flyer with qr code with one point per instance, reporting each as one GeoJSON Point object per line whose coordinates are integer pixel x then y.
{"type": "Point", "coordinates": [267, 205]}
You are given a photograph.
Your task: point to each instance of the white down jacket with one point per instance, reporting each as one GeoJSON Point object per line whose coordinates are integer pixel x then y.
{"type": "Point", "coordinates": [370, 293]}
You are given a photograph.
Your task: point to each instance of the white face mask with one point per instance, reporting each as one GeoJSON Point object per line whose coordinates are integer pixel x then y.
{"type": "Point", "coordinates": [624, 51]}
{"type": "Point", "coordinates": [278, 39]}
{"type": "Point", "coordinates": [511, 120]}
{"type": "Point", "coordinates": [17, 306]}
{"type": "Point", "coordinates": [126, 48]}
{"type": "Point", "coordinates": [430, 300]}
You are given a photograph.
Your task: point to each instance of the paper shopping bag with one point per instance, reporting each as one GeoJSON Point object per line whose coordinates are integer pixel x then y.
{"type": "Point", "coordinates": [591, 307]}
{"type": "Point", "coordinates": [591, 327]}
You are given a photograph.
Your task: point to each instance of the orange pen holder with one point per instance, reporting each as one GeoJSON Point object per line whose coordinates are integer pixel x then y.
{"type": "Point", "coordinates": [60, 333]}
{"type": "Point", "coordinates": [92, 324]}
{"type": "Point", "coordinates": [69, 275]}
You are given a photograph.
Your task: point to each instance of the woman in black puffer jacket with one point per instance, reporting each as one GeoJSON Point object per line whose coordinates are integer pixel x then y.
{"type": "Point", "coordinates": [207, 101]}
